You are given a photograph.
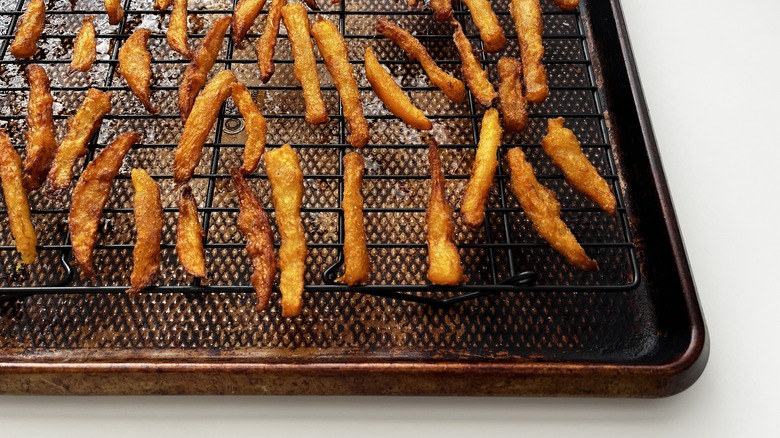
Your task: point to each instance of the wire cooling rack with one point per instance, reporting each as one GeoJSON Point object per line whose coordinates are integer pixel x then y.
{"type": "Point", "coordinates": [505, 255]}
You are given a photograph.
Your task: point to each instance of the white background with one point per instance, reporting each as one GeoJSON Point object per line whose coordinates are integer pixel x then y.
{"type": "Point", "coordinates": [710, 74]}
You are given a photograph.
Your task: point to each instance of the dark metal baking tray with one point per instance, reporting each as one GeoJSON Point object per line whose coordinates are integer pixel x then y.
{"type": "Point", "coordinates": [634, 328]}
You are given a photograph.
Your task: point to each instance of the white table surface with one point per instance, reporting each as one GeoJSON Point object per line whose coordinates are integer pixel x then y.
{"type": "Point", "coordinates": [710, 75]}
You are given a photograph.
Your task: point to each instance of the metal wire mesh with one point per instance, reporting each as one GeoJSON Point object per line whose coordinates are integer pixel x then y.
{"type": "Point", "coordinates": [496, 257]}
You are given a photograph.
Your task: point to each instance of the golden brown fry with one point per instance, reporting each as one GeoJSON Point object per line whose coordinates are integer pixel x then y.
{"type": "Point", "coordinates": [81, 127]}
{"type": "Point", "coordinates": [476, 76]}
{"type": "Point", "coordinates": [84, 47]}
{"type": "Point", "coordinates": [198, 70]}
{"type": "Point", "coordinates": [90, 196]}
{"type": "Point", "coordinates": [177, 29]}
{"type": "Point", "coordinates": [40, 135]}
{"type": "Point", "coordinates": [135, 65]}
{"type": "Point", "coordinates": [544, 211]}
{"type": "Point", "coordinates": [489, 28]}
{"type": "Point", "coordinates": [452, 87]}
{"type": "Point", "coordinates": [256, 228]}
{"type": "Point", "coordinates": [562, 146]}
{"type": "Point", "coordinates": [196, 129]}
{"type": "Point", "coordinates": [442, 9]}
{"type": "Point", "coordinates": [391, 94]}
{"type": "Point", "coordinates": [189, 235]}
{"type": "Point", "coordinates": [114, 10]}
{"type": "Point", "coordinates": [256, 128]}
{"type": "Point", "coordinates": [16, 202]}
{"type": "Point", "coordinates": [510, 94]}
{"type": "Point", "coordinates": [304, 65]}
{"type": "Point", "coordinates": [567, 5]}
{"type": "Point", "coordinates": [284, 173]}
{"type": "Point", "coordinates": [333, 49]}
{"type": "Point", "coordinates": [444, 267]}
{"type": "Point", "coordinates": [356, 261]}
{"type": "Point", "coordinates": [244, 15]}
{"type": "Point", "coordinates": [161, 5]}
{"type": "Point", "coordinates": [527, 15]}
{"type": "Point", "coordinates": [312, 4]}
{"type": "Point", "coordinates": [266, 44]}
{"type": "Point", "coordinates": [29, 29]}
{"type": "Point", "coordinates": [148, 212]}
{"type": "Point", "coordinates": [483, 171]}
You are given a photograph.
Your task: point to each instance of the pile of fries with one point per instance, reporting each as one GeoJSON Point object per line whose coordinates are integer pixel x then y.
{"type": "Point", "coordinates": [48, 164]}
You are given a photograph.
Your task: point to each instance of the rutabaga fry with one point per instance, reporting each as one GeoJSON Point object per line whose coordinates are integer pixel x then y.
{"type": "Point", "coordinates": [161, 5]}
{"type": "Point", "coordinates": [199, 67]}
{"type": "Point", "coordinates": [177, 29]}
{"type": "Point", "coordinates": [483, 170]}
{"type": "Point", "coordinates": [452, 87]}
{"type": "Point", "coordinates": [284, 173]}
{"type": "Point", "coordinates": [135, 65]}
{"type": "Point", "coordinates": [543, 210]}
{"type": "Point", "coordinates": [333, 49]}
{"type": "Point", "coordinates": [562, 146]}
{"type": "Point", "coordinates": [266, 44]}
{"type": "Point", "coordinates": [256, 128]}
{"type": "Point", "coordinates": [356, 261]}
{"type": "Point", "coordinates": [444, 267]}
{"type": "Point", "coordinates": [489, 28]}
{"type": "Point", "coordinates": [442, 9]}
{"type": "Point", "coordinates": [527, 15]}
{"type": "Point", "coordinates": [115, 11]}
{"type": "Point", "coordinates": [196, 129]}
{"type": "Point", "coordinates": [244, 15]}
{"type": "Point", "coordinates": [16, 202]}
{"type": "Point", "coordinates": [148, 212]}
{"type": "Point", "coordinates": [84, 47]}
{"type": "Point", "coordinates": [476, 76]}
{"type": "Point", "coordinates": [40, 135]}
{"type": "Point", "coordinates": [81, 127]}
{"type": "Point", "coordinates": [391, 94]}
{"type": "Point", "coordinates": [90, 196]}
{"type": "Point", "coordinates": [510, 94]}
{"type": "Point", "coordinates": [29, 29]}
{"type": "Point", "coordinates": [567, 5]}
{"type": "Point", "coordinates": [304, 65]}
{"type": "Point", "coordinates": [256, 228]}
{"type": "Point", "coordinates": [189, 235]}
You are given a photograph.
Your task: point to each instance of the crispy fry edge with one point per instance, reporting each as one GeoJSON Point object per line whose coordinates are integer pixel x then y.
{"type": "Point", "coordinates": [444, 266]}
{"type": "Point", "coordinates": [16, 201]}
{"type": "Point", "coordinates": [453, 88]}
{"type": "Point", "coordinates": [204, 114]}
{"type": "Point", "coordinates": [29, 29]}
{"type": "Point", "coordinates": [84, 47]}
{"type": "Point", "coordinates": [199, 67]}
{"type": "Point", "coordinates": [81, 127]}
{"type": "Point", "coordinates": [114, 10]}
{"type": "Point", "coordinates": [189, 235]}
{"type": "Point", "coordinates": [41, 133]}
{"type": "Point", "coordinates": [148, 213]}
{"type": "Point", "coordinates": [256, 228]}
{"type": "Point", "coordinates": [135, 66]}
{"type": "Point", "coordinates": [244, 15]}
{"type": "Point", "coordinates": [510, 94]}
{"type": "Point", "coordinates": [89, 198]}
{"type": "Point", "coordinates": [483, 171]}
{"type": "Point", "coordinates": [256, 127]}
{"type": "Point", "coordinates": [177, 29]}
{"type": "Point", "coordinates": [527, 15]}
{"type": "Point", "coordinates": [476, 76]}
{"type": "Point", "coordinates": [304, 64]}
{"type": "Point", "coordinates": [543, 210]}
{"type": "Point", "coordinates": [567, 5]}
{"type": "Point", "coordinates": [562, 146]}
{"type": "Point", "coordinates": [442, 9]}
{"type": "Point", "coordinates": [266, 44]}
{"type": "Point", "coordinates": [333, 50]}
{"type": "Point", "coordinates": [356, 260]}
{"type": "Point", "coordinates": [391, 94]}
{"type": "Point", "coordinates": [486, 21]}
{"type": "Point", "coordinates": [284, 173]}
